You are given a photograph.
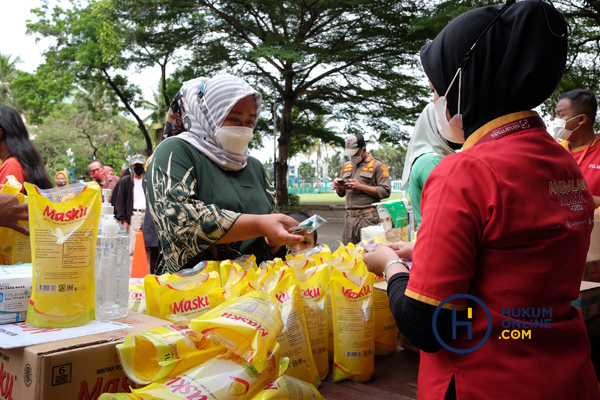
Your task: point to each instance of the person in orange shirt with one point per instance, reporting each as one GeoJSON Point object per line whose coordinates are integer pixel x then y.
{"type": "Point", "coordinates": [574, 125]}
{"type": "Point", "coordinates": [19, 156]}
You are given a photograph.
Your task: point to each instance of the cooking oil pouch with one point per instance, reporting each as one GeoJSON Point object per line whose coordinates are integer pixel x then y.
{"type": "Point", "coordinates": [242, 263]}
{"type": "Point", "coordinates": [164, 351]}
{"type": "Point", "coordinates": [355, 266]}
{"type": "Point", "coordinates": [329, 307]}
{"type": "Point", "coordinates": [225, 377]}
{"type": "Point", "coordinates": [119, 396]}
{"type": "Point", "coordinates": [323, 255]}
{"type": "Point", "coordinates": [287, 388]}
{"type": "Point", "coordinates": [386, 330]}
{"type": "Point", "coordinates": [202, 267]}
{"type": "Point", "coordinates": [266, 270]}
{"type": "Point", "coordinates": [345, 264]}
{"type": "Point", "coordinates": [137, 295]}
{"type": "Point", "coordinates": [241, 283]}
{"type": "Point", "coordinates": [63, 226]}
{"type": "Point", "coordinates": [21, 244]}
{"type": "Point", "coordinates": [151, 285]}
{"type": "Point", "coordinates": [293, 338]}
{"type": "Point", "coordinates": [303, 253]}
{"type": "Point", "coordinates": [183, 298]}
{"type": "Point", "coordinates": [228, 268]}
{"type": "Point", "coordinates": [335, 262]}
{"type": "Point", "coordinates": [354, 326]}
{"type": "Point", "coordinates": [348, 252]}
{"type": "Point", "coordinates": [246, 325]}
{"type": "Point", "coordinates": [14, 246]}
{"type": "Point", "coordinates": [278, 263]}
{"type": "Point", "coordinates": [313, 287]}
{"type": "Point", "coordinates": [302, 262]}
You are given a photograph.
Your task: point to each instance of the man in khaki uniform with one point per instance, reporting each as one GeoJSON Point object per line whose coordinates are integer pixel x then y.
{"type": "Point", "coordinates": [364, 180]}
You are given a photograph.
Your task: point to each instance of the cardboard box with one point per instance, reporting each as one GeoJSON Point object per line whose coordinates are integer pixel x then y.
{"type": "Point", "coordinates": [595, 237]}
{"type": "Point", "coordinates": [407, 345]}
{"type": "Point", "coordinates": [591, 271]}
{"type": "Point", "coordinates": [589, 300]}
{"type": "Point", "coordinates": [75, 369]}
{"type": "Point", "coordinates": [15, 292]}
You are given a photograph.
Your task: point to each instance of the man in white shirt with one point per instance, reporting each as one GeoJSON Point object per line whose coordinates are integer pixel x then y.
{"type": "Point", "coordinates": [130, 207]}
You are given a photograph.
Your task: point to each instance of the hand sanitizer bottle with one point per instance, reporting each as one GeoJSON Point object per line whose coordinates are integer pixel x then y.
{"type": "Point", "coordinates": [112, 269]}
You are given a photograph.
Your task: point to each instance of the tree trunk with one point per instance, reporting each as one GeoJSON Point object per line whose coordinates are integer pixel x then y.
{"type": "Point", "coordinates": [140, 123]}
{"type": "Point", "coordinates": [163, 79]}
{"type": "Point", "coordinates": [282, 159]}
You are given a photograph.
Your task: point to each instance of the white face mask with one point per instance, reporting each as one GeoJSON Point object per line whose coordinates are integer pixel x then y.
{"type": "Point", "coordinates": [234, 139]}
{"type": "Point", "coordinates": [453, 130]}
{"type": "Point", "coordinates": [559, 130]}
{"type": "Point", "coordinates": [356, 159]}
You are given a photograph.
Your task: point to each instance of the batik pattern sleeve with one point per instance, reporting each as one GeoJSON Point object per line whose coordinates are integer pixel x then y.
{"type": "Point", "coordinates": [186, 226]}
{"type": "Point", "coordinates": [270, 191]}
{"type": "Point", "coordinates": [461, 206]}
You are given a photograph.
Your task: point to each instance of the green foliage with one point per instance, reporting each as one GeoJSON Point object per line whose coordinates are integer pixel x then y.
{"type": "Point", "coordinates": [393, 157]}
{"type": "Point", "coordinates": [8, 73]}
{"type": "Point", "coordinates": [97, 44]}
{"type": "Point", "coordinates": [110, 40]}
{"type": "Point", "coordinates": [583, 61]}
{"type": "Point", "coordinates": [335, 163]}
{"type": "Point", "coordinates": [306, 172]}
{"type": "Point", "coordinates": [293, 199]}
{"type": "Point", "coordinates": [352, 60]}
{"type": "Point", "coordinates": [268, 166]}
{"type": "Point", "coordinates": [90, 134]}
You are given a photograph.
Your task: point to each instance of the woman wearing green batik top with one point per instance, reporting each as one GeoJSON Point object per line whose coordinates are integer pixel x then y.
{"type": "Point", "coordinates": [208, 198]}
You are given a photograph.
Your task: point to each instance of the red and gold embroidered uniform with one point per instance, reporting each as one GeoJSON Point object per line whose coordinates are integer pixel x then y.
{"type": "Point", "coordinates": [507, 221]}
{"type": "Point", "coordinates": [589, 162]}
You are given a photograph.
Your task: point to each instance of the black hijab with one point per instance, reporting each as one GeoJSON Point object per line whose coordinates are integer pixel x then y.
{"type": "Point", "coordinates": [516, 65]}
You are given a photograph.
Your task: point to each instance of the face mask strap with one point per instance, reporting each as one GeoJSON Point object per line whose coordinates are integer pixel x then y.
{"type": "Point", "coordinates": [452, 82]}
{"type": "Point", "coordinates": [467, 55]}
{"type": "Point", "coordinates": [459, 89]}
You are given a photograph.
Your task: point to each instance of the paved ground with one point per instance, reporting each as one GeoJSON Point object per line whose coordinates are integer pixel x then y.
{"type": "Point", "coordinates": [331, 232]}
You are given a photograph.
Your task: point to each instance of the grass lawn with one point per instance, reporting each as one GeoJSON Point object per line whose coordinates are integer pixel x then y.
{"type": "Point", "coordinates": [334, 198]}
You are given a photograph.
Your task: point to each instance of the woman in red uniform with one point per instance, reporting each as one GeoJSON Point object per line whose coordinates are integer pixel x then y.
{"type": "Point", "coordinates": [19, 156]}
{"type": "Point", "coordinates": [507, 220]}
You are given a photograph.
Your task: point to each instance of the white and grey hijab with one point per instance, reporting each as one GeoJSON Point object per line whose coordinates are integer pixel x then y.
{"type": "Point", "coordinates": [200, 107]}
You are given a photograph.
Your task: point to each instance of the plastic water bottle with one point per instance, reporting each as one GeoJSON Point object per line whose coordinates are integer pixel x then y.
{"type": "Point", "coordinates": [112, 271]}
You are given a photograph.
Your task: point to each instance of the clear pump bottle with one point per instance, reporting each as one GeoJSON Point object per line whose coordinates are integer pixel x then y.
{"type": "Point", "coordinates": [112, 269]}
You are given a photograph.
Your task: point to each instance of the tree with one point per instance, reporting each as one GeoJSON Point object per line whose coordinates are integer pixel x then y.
{"type": "Point", "coordinates": [350, 59]}
{"type": "Point", "coordinates": [393, 157]}
{"type": "Point", "coordinates": [268, 166]}
{"type": "Point", "coordinates": [335, 163]}
{"type": "Point", "coordinates": [7, 75]}
{"type": "Point", "coordinates": [96, 43]}
{"type": "Point", "coordinates": [583, 61]}
{"type": "Point", "coordinates": [158, 116]}
{"type": "Point", "coordinates": [306, 172]}
{"type": "Point", "coordinates": [89, 134]}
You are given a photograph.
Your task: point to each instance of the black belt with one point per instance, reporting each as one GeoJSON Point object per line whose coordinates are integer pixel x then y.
{"type": "Point", "coordinates": [137, 209]}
